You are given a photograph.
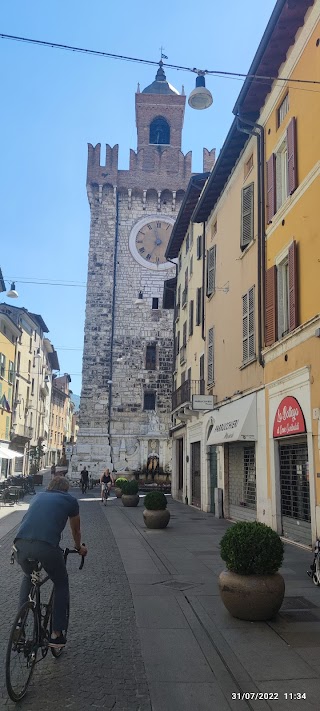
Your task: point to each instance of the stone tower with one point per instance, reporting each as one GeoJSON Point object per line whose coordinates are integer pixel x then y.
{"type": "Point", "coordinates": [127, 362]}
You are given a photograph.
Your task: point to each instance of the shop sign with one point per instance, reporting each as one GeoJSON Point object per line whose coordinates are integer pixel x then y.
{"type": "Point", "coordinates": [289, 419]}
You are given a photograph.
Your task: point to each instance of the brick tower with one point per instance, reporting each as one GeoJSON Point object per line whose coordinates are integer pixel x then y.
{"type": "Point", "coordinates": [127, 362]}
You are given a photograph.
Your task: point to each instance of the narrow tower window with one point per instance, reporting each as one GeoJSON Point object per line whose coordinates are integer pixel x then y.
{"type": "Point", "coordinates": [159, 131]}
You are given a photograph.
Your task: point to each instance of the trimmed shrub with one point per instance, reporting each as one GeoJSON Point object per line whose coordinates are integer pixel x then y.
{"type": "Point", "coordinates": [252, 548]}
{"type": "Point", "coordinates": [119, 482]}
{"type": "Point", "coordinates": [155, 501]}
{"type": "Point", "coordinates": [130, 487]}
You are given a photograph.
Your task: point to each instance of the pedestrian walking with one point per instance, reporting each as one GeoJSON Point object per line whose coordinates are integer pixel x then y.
{"type": "Point", "coordinates": [84, 477]}
{"type": "Point", "coordinates": [53, 470]}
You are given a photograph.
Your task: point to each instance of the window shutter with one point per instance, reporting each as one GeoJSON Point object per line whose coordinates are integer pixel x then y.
{"type": "Point", "coordinates": [293, 286]}
{"type": "Point", "coordinates": [211, 270]}
{"type": "Point", "coordinates": [184, 341]}
{"type": "Point", "coordinates": [199, 251]}
{"type": "Point", "coordinates": [245, 328]}
{"type": "Point", "coordinates": [247, 214]}
{"type": "Point", "coordinates": [210, 356]}
{"type": "Point", "coordinates": [199, 304]}
{"type": "Point", "coordinates": [292, 156]}
{"type": "Point", "coordinates": [271, 188]}
{"type": "Point", "coordinates": [271, 306]}
{"type": "Point", "coordinates": [191, 318]}
{"type": "Point", "coordinates": [251, 343]}
{"type": "Point", "coordinates": [178, 343]}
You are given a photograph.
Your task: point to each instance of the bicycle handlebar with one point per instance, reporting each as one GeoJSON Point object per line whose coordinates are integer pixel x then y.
{"type": "Point", "coordinates": [73, 550]}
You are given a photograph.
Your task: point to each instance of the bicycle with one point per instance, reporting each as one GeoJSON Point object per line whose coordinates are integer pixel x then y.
{"type": "Point", "coordinates": [30, 633]}
{"type": "Point", "coordinates": [314, 571]}
{"type": "Point", "coordinates": [105, 494]}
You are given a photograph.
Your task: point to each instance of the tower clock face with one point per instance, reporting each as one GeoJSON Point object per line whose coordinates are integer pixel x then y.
{"type": "Point", "coordinates": [149, 240]}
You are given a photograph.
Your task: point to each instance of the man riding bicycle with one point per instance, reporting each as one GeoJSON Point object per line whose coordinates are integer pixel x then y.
{"type": "Point", "coordinates": [38, 538]}
{"type": "Point", "coordinates": [106, 481]}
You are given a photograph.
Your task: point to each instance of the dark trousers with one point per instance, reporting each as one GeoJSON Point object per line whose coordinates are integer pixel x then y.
{"type": "Point", "coordinates": [53, 563]}
{"type": "Point", "coordinates": [84, 486]}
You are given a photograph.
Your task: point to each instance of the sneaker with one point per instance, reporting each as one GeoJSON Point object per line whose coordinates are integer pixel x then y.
{"type": "Point", "coordinates": [57, 641]}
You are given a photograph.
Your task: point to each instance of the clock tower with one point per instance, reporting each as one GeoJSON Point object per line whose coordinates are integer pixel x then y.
{"type": "Point", "coordinates": [125, 405]}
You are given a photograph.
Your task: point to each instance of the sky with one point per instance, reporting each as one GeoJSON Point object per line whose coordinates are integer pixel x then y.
{"type": "Point", "coordinates": [54, 102]}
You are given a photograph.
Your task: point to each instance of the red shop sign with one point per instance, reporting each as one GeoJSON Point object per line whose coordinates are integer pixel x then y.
{"type": "Point", "coordinates": [289, 419]}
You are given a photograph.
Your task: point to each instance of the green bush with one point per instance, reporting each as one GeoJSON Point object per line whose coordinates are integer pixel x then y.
{"type": "Point", "coordinates": [252, 548]}
{"type": "Point", "coordinates": [130, 487]}
{"type": "Point", "coordinates": [155, 501]}
{"type": "Point", "coordinates": [119, 482]}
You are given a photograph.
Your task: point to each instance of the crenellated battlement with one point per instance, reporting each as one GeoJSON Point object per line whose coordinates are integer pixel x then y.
{"type": "Point", "coordinates": [101, 174]}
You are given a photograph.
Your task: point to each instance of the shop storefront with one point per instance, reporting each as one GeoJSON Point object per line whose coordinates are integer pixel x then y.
{"type": "Point", "coordinates": [290, 435]}
{"type": "Point", "coordinates": [234, 426]}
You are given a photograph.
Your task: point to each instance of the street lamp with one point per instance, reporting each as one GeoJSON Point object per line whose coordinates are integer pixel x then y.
{"type": "Point", "coordinates": [12, 293]}
{"type": "Point", "coordinates": [200, 97]}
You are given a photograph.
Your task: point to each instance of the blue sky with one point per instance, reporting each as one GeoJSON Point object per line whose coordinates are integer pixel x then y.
{"type": "Point", "coordinates": [53, 103]}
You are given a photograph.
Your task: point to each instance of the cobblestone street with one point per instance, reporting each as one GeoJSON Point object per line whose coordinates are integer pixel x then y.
{"type": "Point", "coordinates": [102, 667]}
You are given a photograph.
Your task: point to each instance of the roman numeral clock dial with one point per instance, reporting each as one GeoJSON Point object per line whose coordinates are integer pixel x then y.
{"type": "Point", "coordinates": [149, 240]}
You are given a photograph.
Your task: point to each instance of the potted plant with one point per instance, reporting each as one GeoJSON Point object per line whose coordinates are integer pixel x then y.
{"type": "Point", "coordinates": [130, 496]}
{"type": "Point", "coordinates": [251, 588]}
{"type": "Point", "coordinates": [156, 514]}
{"type": "Point", "coordinates": [118, 486]}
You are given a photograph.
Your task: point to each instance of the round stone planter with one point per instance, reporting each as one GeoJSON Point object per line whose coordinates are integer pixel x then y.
{"type": "Point", "coordinates": [251, 597]}
{"type": "Point", "coordinates": [118, 492]}
{"type": "Point", "coordinates": [130, 499]}
{"type": "Point", "coordinates": [156, 519]}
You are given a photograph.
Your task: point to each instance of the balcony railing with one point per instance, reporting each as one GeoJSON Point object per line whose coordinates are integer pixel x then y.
{"type": "Point", "coordinates": [183, 395]}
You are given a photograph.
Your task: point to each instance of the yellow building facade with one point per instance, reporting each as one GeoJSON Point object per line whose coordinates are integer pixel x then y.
{"type": "Point", "coordinates": [9, 333]}
{"type": "Point", "coordinates": [292, 355]}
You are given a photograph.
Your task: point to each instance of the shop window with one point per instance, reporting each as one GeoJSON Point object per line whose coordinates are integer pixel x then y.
{"type": "Point", "coordinates": [249, 482]}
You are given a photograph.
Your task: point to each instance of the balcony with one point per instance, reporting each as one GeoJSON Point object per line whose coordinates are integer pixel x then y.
{"type": "Point", "coordinates": [22, 431]}
{"type": "Point", "coordinates": [183, 395]}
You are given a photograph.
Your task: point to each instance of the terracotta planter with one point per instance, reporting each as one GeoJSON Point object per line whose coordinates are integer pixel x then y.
{"type": "Point", "coordinates": [130, 499]}
{"type": "Point", "coordinates": [252, 597]}
{"type": "Point", "coordinates": [118, 492]}
{"type": "Point", "coordinates": [156, 519]}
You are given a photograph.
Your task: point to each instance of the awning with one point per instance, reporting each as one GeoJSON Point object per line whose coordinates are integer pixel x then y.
{"type": "Point", "coordinates": [234, 422]}
{"type": "Point", "coordinates": [6, 453]}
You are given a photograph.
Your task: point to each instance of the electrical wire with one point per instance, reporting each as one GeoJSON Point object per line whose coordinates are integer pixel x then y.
{"type": "Point", "coordinates": [108, 55]}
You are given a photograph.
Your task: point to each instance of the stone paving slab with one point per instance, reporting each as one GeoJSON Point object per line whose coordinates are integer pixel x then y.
{"type": "Point", "coordinates": [187, 696]}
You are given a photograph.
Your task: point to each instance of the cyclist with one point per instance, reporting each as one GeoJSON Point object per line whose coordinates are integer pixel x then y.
{"type": "Point", "coordinates": [38, 539]}
{"type": "Point", "coordinates": [84, 478]}
{"type": "Point", "coordinates": [106, 481]}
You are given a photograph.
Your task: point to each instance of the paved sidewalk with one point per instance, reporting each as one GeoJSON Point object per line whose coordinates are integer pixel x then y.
{"type": "Point", "coordinates": [196, 655]}
{"type": "Point", "coordinates": [148, 629]}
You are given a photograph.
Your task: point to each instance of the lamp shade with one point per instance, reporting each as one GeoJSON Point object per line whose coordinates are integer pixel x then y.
{"type": "Point", "coordinates": [200, 97]}
{"type": "Point", "coordinates": [12, 293]}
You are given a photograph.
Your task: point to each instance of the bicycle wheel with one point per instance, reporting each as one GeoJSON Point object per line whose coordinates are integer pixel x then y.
{"type": "Point", "coordinates": [21, 652]}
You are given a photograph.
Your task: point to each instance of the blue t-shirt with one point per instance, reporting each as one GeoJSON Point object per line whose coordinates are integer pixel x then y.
{"type": "Point", "coordinates": [47, 516]}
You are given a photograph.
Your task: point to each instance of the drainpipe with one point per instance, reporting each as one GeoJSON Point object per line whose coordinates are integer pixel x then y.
{"type": "Point", "coordinates": [203, 277]}
{"type": "Point", "coordinates": [258, 131]}
{"type": "Point", "coordinates": [116, 240]}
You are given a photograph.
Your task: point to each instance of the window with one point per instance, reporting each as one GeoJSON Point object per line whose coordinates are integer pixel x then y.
{"type": "Point", "coordinates": [199, 306]}
{"type": "Point", "coordinates": [187, 243]}
{"type": "Point", "coordinates": [248, 340]}
{"type": "Point", "coordinates": [18, 361]}
{"type": "Point", "coordinates": [248, 165]}
{"type": "Point", "coordinates": [210, 356]}
{"type": "Point", "coordinates": [184, 334]}
{"type": "Point", "coordinates": [281, 309]}
{"type": "Point", "coordinates": [159, 131]}
{"type": "Point", "coordinates": [199, 247]}
{"type": "Point", "coordinates": [179, 298]}
{"type": "Point", "coordinates": [211, 270]}
{"type": "Point", "coordinates": [151, 357]}
{"type": "Point", "coordinates": [191, 265]}
{"type": "Point", "coordinates": [201, 374]}
{"type": "Point", "coordinates": [283, 110]}
{"type": "Point", "coordinates": [155, 302]}
{"type": "Point", "coordinates": [178, 343]}
{"type": "Point", "coordinates": [30, 345]}
{"type": "Point", "coordinates": [247, 195]}
{"type": "Point", "coordinates": [282, 178]}
{"type": "Point", "coordinates": [11, 372]}
{"type": "Point", "coordinates": [149, 401]}
{"type": "Point", "coordinates": [191, 318]}
{"type": "Point", "coordinates": [180, 263]}
{"type": "Point", "coordinates": [2, 365]}
{"type": "Point", "coordinates": [214, 229]}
